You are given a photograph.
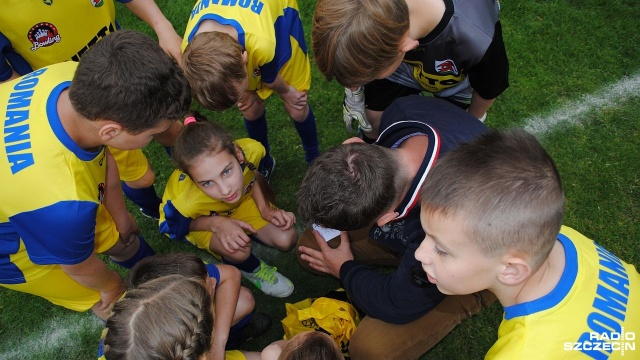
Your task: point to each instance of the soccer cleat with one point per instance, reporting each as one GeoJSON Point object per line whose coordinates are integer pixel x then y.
{"type": "Point", "coordinates": [258, 325]}
{"type": "Point", "coordinates": [267, 171]}
{"type": "Point", "coordinates": [269, 281]}
{"type": "Point", "coordinates": [353, 109]}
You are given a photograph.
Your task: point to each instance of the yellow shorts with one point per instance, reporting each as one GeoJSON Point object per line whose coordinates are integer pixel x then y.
{"type": "Point", "coordinates": [132, 164]}
{"type": "Point", "coordinates": [59, 288]}
{"type": "Point", "coordinates": [247, 212]}
{"type": "Point", "coordinates": [52, 283]}
{"type": "Point", "coordinates": [296, 72]}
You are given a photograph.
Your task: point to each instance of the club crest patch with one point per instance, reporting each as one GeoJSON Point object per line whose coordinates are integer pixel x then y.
{"type": "Point", "coordinates": [42, 35]}
{"type": "Point", "coordinates": [446, 67]}
{"type": "Point", "coordinates": [101, 192]}
{"type": "Point", "coordinates": [97, 3]}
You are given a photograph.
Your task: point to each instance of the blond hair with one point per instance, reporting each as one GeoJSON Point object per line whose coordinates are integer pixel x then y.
{"type": "Point", "coordinates": [170, 317]}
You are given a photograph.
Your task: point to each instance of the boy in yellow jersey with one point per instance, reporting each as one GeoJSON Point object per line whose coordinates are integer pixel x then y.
{"type": "Point", "coordinates": [241, 53]}
{"type": "Point", "coordinates": [50, 32]}
{"type": "Point", "coordinates": [61, 201]}
{"type": "Point", "coordinates": [492, 211]}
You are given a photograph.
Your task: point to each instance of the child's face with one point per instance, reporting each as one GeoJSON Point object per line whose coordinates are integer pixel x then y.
{"type": "Point", "coordinates": [219, 176]}
{"type": "Point", "coordinates": [451, 259]}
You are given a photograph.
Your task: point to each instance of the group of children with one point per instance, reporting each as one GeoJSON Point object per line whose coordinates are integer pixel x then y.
{"type": "Point", "coordinates": [435, 193]}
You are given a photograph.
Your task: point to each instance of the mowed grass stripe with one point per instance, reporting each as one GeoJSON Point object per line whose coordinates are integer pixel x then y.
{"type": "Point", "coordinates": [59, 335]}
{"type": "Point", "coordinates": [573, 113]}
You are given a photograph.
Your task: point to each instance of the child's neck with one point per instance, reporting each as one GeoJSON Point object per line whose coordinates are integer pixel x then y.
{"type": "Point", "coordinates": [541, 282]}
{"type": "Point", "coordinates": [212, 25]}
{"type": "Point", "coordinates": [75, 125]}
{"type": "Point", "coordinates": [424, 16]}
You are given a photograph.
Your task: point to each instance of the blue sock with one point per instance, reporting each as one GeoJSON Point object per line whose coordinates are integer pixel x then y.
{"type": "Point", "coordinates": [236, 330]}
{"type": "Point", "coordinates": [309, 136]}
{"type": "Point", "coordinates": [167, 149]}
{"type": "Point", "coordinates": [248, 265]}
{"type": "Point", "coordinates": [143, 251]}
{"type": "Point", "coordinates": [257, 130]}
{"type": "Point", "coordinates": [145, 198]}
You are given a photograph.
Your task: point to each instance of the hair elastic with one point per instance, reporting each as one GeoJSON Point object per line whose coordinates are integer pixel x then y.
{"type": "Point", "coordinates": [188, 120]}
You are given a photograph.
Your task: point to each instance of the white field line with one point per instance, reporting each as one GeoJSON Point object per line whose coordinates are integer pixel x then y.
{"type": "Point", "coordinates": [57, 333]}
{"type": "Point", "coordinates": [574, 112]}
{"type": "Point", "coordinates": [60, 332]}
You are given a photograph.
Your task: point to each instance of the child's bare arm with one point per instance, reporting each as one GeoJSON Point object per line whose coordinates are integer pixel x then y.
{"type": "Point", "coordinates": [278, 217]}
{"type": "Point", "coordinates": [169, 40]}
{"type": "Point", "coordinates": [114, 203]}
{"type": "Point", "coordinates": [226, 300]}
{"type": "Point", "coordinates": [94, 274]}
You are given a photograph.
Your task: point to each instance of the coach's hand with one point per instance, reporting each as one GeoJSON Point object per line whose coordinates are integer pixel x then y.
{"type": "Point", "coordinates": [327, 260]}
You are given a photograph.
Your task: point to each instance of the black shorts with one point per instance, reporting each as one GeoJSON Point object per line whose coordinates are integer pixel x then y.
{"type": "Point", "coordinates": [379, 94]}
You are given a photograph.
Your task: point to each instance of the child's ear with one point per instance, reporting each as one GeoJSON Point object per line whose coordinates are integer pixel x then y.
{"type": "Point", "coordinates": [408, 44]}
{"type": "Point", "coordinates": [387, 217]}
{"type": "Point", "coordinates": [109, 130]}
{"type": "Point", "coordinates": [239, 154]}
{"type": "Point", "coordinates": [245, 57]}
{"type": "Point", "coordinates": [515, 269]}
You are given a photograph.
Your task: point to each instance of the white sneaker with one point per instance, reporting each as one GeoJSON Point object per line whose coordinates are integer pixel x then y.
{"type": "Point", "coordinates": [269, 281]}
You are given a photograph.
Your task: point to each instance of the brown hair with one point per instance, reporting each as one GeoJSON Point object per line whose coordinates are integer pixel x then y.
{"type": "Point", "coordinates": [348, 187]}
{"type": "Point", "coordinates": [212, 63]}
{"type": "Point", "coordinates": [311, 345]}
{"type": "Point", "coordinates": [166, 318]}
{"type": "Point", "coordinates": [153, 267]}
{"type": "Point", "coordinates": [355, 41]}
{"type": "Point", "coordinates": [205, 137]}
{"type": "Point", "coordinates": [127, 78]}
{"type": "Point", "coordinates": [506, 190]}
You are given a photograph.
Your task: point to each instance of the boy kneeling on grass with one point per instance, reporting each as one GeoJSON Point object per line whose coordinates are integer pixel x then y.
{"type": "Point", "coordinates": [492, 211]}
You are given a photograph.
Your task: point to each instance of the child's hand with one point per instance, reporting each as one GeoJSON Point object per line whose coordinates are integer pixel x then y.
{"type": "Point", "coordinates": [280, 218]}
{"type": "Point", "coordinates": [294, 99]}
{"type": "Point", "coordinates": [128, 229]}
{"type": "Point", "coordinates": [247, 100]}
{"type": "Point", "coordinates": [232, 236]}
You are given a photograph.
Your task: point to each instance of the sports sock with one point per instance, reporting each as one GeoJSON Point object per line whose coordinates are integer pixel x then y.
{"type": "Point", "coordinates": [309, 136]}
{"type": "Point", "coordinates": [257, 130]}
{"type": "Point", "coordinates": [145, 198]}
{"type": "Point", "coordinates": [236, 330]}
{"type": "Point", "coordinates": [143, 251]}
{"type": "Point", "coordinates": [248, 265]}
{"type": "Point", "coordinates": [167, 149]}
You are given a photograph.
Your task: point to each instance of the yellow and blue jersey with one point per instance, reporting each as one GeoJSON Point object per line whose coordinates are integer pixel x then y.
{"type": "Point", "coordinates": [270, 31]}
{"type": "Point", "coordinates": [52, 189]}
{"type": "Point", "coordinates": [183, 201]}
{"type": "Point", "coordinates": [49, 32]}
{"type": "Point", "coordinates": [592, 313]}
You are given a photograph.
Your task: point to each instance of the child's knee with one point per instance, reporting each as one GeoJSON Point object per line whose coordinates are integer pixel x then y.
{"type": "Point", "coordinates": [287, 240]}
{"type": "Point", "coordinates": [246, 303]}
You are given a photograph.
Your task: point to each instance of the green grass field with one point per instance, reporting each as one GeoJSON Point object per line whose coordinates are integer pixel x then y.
{"type": "Point", "coordinates": [575, 82]}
